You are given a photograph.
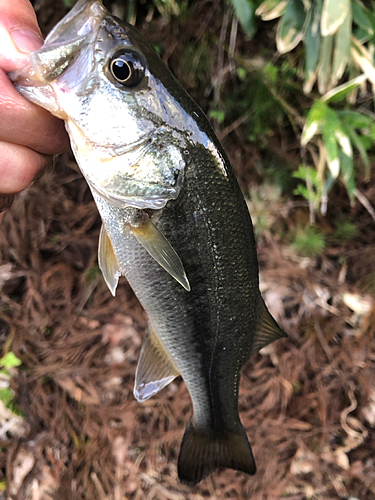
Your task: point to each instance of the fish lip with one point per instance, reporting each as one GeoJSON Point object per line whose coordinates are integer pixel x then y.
{"type": "Point", "coordinates": [76, 29]}
{"type": "Point", "coordinates": [82, 19]}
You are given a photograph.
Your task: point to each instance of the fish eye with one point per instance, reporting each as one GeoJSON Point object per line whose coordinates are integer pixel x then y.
{"type": "Point", "coordinates": [126, 67]}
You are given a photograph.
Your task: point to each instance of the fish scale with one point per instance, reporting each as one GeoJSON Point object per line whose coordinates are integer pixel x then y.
{"type": "Point", "coordinates": [175, 223]}
{"type": "Point", "coordinates": [195, 326]}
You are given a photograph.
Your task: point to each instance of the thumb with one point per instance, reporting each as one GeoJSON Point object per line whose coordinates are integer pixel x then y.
{"type": "Point", "coordinates": [19, 33]}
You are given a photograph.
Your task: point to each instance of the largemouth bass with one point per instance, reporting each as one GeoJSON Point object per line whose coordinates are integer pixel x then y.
{"type": "Point", "coordinates": [175, 223]}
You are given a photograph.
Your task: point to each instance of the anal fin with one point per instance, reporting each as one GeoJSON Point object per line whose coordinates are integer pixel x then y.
{"type": "Point", "coordinates": [161, 250]}
{"type": "Point", "coordinates": [107, 261]}
{"type": "Point", "coordinates": [155, 369]}
{"type": "Point", "coordinates": [267, 330]}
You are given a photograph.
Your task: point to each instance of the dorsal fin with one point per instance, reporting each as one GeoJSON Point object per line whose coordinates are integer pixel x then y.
{"type": "Point", "coordinates": [267, 330]}
{"type": "Point", "coordinates": [155, 369]}
{"type": "Point", "coordinates": [161, 250]}
{"type": "Point", "coordinates": [107, 261]}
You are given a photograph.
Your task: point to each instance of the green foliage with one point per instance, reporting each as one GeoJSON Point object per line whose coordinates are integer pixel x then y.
{"type": "Point", "coordinates": [7, 364]}
{"type": "Point", "coordinates": [345, 229]}
{"type": "Point", "coordinates": [311, 188]}
{"type": "Point", "coordinates": [10, 360]}
{"type": "Point", "coordinates": [338, 43]}
{"type": "Point", "coordinates": [218, 115]}
{"type": "Point", "coordinates": [326, 29]}
{"type": "Point", "coordinates": [245, 10]}
{"type": "Point", "coordinates": [168, 8]}
{"type": "Point", "coordinates": [309, 242]}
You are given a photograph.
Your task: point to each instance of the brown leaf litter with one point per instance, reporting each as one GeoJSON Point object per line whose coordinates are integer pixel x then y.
{"type": "Point", "coordinates": [307, 402]}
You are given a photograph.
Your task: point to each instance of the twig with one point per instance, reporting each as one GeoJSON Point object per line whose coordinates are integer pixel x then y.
{"type": "Point", "coordinates": [362, 199]}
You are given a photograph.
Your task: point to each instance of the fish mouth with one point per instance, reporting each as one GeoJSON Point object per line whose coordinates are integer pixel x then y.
{"type": "Point", "coordinates": [77, 29]}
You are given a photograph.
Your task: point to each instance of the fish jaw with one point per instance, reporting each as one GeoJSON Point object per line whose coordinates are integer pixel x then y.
{"type": "Point", "coordinates": [125, 143]}
{"type": "Point", "coordinates": [70, 36]}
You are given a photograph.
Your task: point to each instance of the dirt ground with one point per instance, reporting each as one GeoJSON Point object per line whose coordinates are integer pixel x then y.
{"type": "Point", "coordinates": [307, 402]}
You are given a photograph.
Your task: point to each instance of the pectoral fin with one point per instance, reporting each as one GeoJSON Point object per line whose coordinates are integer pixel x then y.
{"type": "Point", "coordinates": [161, 250]}
{"type": "Point", "coordinates": [268, 330]}
{"type": "Point", "coordinates": [107, 261]}
{"type": "Point", "coordinates": [155, 369]}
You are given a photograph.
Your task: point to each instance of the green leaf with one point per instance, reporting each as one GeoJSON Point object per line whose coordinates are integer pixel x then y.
{"type": "Point", "coordinates": [341, 92]}
{"type": "Point", "coordinates": [312, 47]}
{"type": "Point", "coordinates": [10, 360]}
{"type": "Point", "coordinates": [271, 72]}
{"type": "Point", "coordinates": [6, 396]}
{"type": "Point", "coordinates": [324, 68]}
{"type": "Point", "coordinates": [271, 9]}
{"type": "Point", "coordinates": [218, 115]}
{"type": "Point", "coordinates": [356, 119]}
{"type": "Point", "coordinates": [331, 129]}
{"type": "Point", "coordinates": [244, 10]}
{"type": "Point", "coordinates": [333, 14]}
{"type": "Point", "coordinates": [292, 26]}
{"type": "Point", "coordinates": [344, 141]}
{"type": "Point", "coordinates": [358, 143]}
{"type": "Point", "coordinates": [363, 59]}
{"type": "Point", "coordinates": [314, 121]}
{"type": "Point", "coordinates": [362, 19]}
{"type": "Point", "coordinates": [347, 174]}
{"type": "Point", "coordinates": [342, 49]}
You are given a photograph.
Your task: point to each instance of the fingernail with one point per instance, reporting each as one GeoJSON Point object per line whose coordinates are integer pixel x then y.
{"type": "Point", "coordinates": [27, 41]}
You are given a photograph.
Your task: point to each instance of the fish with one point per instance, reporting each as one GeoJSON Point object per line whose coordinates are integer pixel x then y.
{"type": "Point", "coordinates": [174, 221]}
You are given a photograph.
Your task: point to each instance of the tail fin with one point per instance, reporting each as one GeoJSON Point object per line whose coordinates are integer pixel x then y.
{"type": "Point", "coordinates": [202, 453]}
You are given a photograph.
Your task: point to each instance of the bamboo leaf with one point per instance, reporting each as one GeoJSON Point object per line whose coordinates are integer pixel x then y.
{"type": "Point", "coordinates": [356, 119]}
{"type": "Point", "coordinates": [271, 9]}
{"type": "Point", "coordinates": [333, 14]}
{"type": "Point", "coordinates": [357, 142]}
{"type": "Point", "coordinates": [312, 47]}
{"type": "Point", "coordinates": [331, 131]}
{"type": "Point", "coordinates": [342, 49]}
{"type": "Point", "coordinates": [344, 141]}
{"type": "Point", "coordinates": [347, 174]}
{"type": "Point", "coordinates": [362, 58]}
{"type": "Point", "coordinates": [292, 26]}
{"type": "Point", "coordinates": [340, 93]}
{"type": "Point", "coordinates": [245, 12]}
{"type": "Point", "coordinates": [332, 150]}
{"type": "Point", "coordinates": [324, 67]}
{"type": "Point", "coordinates": [314, 121]}
{"type": "Point", "coordinates": [363, 21]}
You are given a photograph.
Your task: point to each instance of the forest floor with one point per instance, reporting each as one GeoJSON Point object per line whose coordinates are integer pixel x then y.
{"type": "Point", "coordinates": [307, 402]}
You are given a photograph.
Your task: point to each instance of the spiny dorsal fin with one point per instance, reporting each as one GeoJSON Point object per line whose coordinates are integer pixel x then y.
{"type": "Point", "coordinates": [267, 330]}
{"type": "Point", "coordinates": [202, 452]}
{"type": "Point", "coordinates": [107, 261]}
{"type": "Point", "coordinates": [161, 250]}
{"type": "Point", "coordinates": [155, 369]}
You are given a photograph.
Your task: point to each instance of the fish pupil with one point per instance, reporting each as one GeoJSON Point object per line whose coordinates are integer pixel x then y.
{"type": "Point", "coordinates": [121, 70]}
{"type": "Point", "coordinates": [126, 67]}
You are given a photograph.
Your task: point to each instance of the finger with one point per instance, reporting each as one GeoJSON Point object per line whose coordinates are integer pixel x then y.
{"type": "Point", "coordinates": [27, 124]}
{"type": "Point", "coordinates": [19, 33]}
{"type": "Point", "coordinates": [19, 166]}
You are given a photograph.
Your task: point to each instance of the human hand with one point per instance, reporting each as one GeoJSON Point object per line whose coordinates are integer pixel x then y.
{"type": "Point", "coordinates": [29, 135]}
